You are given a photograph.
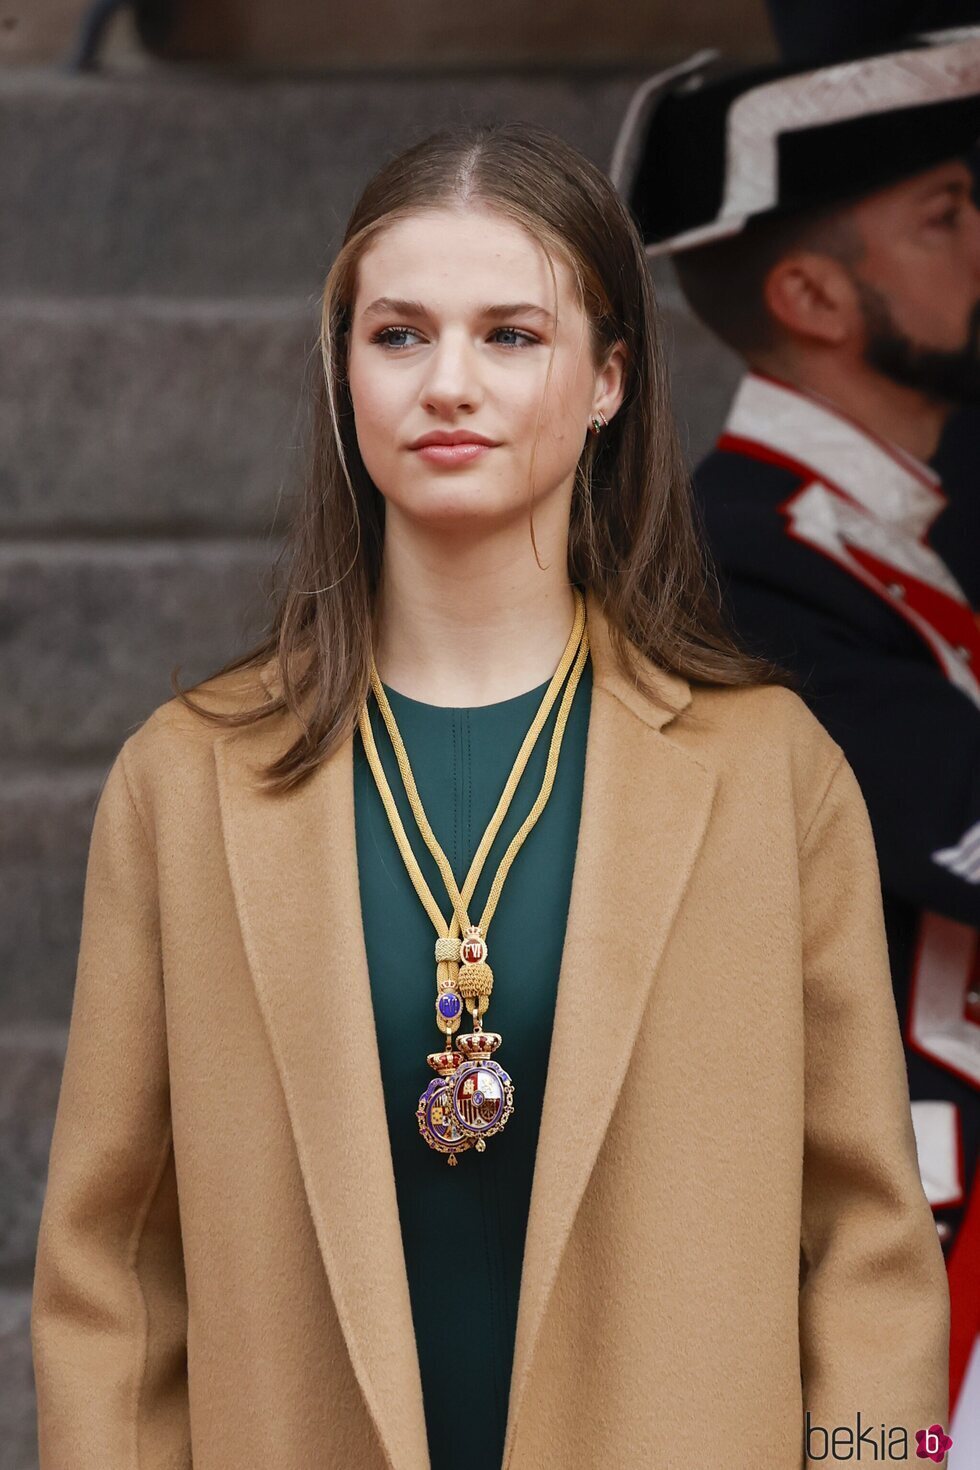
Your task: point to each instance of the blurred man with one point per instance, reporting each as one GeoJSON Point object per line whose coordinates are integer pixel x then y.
{"type": "Point", "coordinates": [822, 223]}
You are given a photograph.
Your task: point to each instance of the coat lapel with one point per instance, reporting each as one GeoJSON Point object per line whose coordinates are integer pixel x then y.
{"type": "Point", "coordinates": [293, 866]}
{"type": "Point", "coordinates": [645, 805]}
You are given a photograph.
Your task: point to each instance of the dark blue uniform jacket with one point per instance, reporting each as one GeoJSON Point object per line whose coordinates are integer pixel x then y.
{"type": "Point", "coordinates": [821, 537]}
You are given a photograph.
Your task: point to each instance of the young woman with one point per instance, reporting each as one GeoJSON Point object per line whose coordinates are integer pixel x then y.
{"type": "Point", "coordinates": [617, 1165]}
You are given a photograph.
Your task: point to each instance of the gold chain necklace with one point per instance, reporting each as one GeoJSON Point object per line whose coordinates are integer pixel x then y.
{"type": "Point", "coordinates": [472, 1097]}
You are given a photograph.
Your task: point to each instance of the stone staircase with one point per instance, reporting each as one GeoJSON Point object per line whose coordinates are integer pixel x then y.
{"type": "Point", "coordinates": [159, 282]}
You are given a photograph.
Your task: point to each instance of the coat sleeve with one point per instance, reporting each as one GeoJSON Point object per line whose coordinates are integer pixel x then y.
{"type": "Point", "coordinates": [109, 1305]}
{"type": "Point", "coordinates": [874, 1296]}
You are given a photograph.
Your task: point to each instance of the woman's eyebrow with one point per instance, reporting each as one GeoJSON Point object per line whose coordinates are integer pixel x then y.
{"type": "Point", "coordinates": [391, 305]}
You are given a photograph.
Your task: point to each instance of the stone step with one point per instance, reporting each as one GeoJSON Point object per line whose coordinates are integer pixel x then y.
{"type": "Point", "coordinates": [18, 1413]}
{"type": "Point", "coordinates": [227, 186]}
{"type": "Point", "coordinates": [31, 1062]}
{"type": "Point", "coordinates": [143, 415]}
{"type": "Point", "coordinates": [150, 415]}
{"type": "Point", "coordinates": [302, 35]}
{"type": "Point", "coordinates": [90, 630]}
{"type": "Point", "coordinates": [46, 819]}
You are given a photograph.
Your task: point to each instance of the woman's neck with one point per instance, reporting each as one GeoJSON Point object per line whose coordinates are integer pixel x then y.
{"type": "Point", "coordinates": [472, 634]}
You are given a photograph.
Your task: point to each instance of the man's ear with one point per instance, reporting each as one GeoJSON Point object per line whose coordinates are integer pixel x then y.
{"type": "Point", "coordinates": [812, 296]}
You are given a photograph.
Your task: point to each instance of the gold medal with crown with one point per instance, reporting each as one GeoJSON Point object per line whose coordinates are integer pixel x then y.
{"type": "Point", "coordinates": [473, 1096]}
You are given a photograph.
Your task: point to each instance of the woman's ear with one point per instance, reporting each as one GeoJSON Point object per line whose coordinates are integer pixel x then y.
{"type": "Point", "coordinates": [610, 383]}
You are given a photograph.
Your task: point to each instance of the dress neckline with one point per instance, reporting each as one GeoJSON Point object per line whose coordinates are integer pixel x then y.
{"type": "Point", "coordinates": [405, 701]}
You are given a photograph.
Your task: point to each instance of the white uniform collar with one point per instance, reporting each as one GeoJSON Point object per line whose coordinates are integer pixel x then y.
{"type": "Point", "coordinates": [889, 482]}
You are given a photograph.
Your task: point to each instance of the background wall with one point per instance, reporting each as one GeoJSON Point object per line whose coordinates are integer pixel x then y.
{"type": "Point", "coordinates": [424, 35]}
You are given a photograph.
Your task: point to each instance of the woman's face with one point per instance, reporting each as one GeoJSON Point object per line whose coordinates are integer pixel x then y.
{"type": "Point", "coordinates": [452, 326]}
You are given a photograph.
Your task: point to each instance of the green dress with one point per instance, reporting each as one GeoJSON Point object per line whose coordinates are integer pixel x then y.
{"type": "Point", "coordinates": [463, 1227]}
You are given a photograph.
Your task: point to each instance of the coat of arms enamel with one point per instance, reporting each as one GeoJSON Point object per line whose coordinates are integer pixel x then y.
{"type": "Point", "coordinates": [468, 1103]}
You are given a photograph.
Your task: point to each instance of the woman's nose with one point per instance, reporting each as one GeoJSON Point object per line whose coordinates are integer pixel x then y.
{"type": "Point", "coordinates": [452, 371]}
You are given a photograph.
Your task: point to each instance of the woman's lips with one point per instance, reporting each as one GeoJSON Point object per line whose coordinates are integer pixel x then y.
{"type": "Point", "coordinates": [452, 454]}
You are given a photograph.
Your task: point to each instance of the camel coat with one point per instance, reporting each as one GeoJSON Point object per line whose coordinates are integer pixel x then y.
{"type": "Point", "coordinates": [727, 1227]}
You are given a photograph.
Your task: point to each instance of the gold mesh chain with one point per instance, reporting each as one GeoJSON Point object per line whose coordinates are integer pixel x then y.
{"type": "Point", "coordinates": [576, 650]}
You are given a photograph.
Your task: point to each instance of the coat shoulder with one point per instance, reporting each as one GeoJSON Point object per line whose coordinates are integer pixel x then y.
{"type": "Point", "coordinates": [760, 710]}
{"type": "Point", "coordinates": [174, 736]}
{"type": "Point", "coordinates": [764, 737]}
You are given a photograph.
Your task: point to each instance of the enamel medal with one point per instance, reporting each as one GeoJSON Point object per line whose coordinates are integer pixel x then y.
{"type": "Point", "coordinates": [472, 1097]}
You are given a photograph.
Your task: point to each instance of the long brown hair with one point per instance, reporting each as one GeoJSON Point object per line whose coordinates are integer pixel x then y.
{"type": "Point", "coordinates": [633, 534]}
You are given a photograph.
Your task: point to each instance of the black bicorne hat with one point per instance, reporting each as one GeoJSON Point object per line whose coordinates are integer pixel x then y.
{"type": "Point", "coordinates": [703, 149]}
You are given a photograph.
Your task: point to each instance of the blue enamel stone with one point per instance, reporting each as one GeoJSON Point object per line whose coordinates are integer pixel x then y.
{"type": "Point", "coordinates": [450, 1005]}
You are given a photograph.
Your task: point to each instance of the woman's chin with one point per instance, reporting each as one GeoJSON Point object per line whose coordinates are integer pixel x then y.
{"type": "Point", "coordinates": [441, 500]}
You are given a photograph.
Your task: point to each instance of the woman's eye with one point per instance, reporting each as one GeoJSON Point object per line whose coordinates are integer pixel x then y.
{"type": "Point", "coordinates": [384, 337]}
{"type": "Point", "coordinates": [386, 333]}
{"type": "Point", "coordinates": [948, 219]}
{"type": "Point", "coordinates": [526, 339]}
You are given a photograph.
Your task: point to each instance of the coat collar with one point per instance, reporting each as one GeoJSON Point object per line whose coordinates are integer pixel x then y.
{"type": "Point", "coordinates": [883, 478]}
{"type": "Point", "coordinates": [645, 807]}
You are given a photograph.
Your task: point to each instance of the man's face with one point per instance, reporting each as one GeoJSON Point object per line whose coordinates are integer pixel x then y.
{"type": "Point", "coordinates": [919, 282]}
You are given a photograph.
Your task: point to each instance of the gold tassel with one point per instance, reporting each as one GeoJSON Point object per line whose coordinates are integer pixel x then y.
{"type": "Point", "coordinates": [474, 980]}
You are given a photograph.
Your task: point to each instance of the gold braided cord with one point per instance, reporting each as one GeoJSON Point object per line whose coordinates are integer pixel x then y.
{"type": "Point", "coordinates": [415, 802]}
{"type": "Point", "coordinates": [577, 647]}
{"type": "Point", "coordinates": [546, 785]}
{"type": "Point", "coordinates": [523, 755]}
{"type": "Point", "coordinates": [411, 863]}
